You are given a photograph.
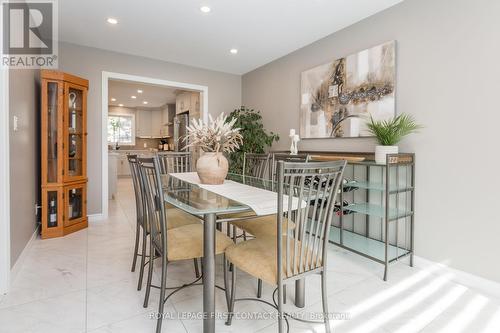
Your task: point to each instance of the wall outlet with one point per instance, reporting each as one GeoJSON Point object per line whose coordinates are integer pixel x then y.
{"type": "Point", "coordinates": [145, 145]}
{"type": "Point", "coordinates": [15, 123]}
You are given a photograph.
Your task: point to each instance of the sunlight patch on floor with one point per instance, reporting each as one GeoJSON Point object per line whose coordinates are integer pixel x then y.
{"type": "Point", "coordinates": [404, 305]}
{"type": "Point", "coordinates": [433, 311]}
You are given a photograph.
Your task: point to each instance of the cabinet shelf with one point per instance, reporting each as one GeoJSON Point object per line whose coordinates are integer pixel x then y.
{"type": "Point", "coordinates": [376, 210]}
{"type": "Point", "coordinates": [377, 186]}
{"type": "Point", "coordinates": [366, 246]}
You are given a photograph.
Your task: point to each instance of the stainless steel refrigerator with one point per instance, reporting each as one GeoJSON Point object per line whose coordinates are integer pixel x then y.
{"type": "Point", "coordinates": [181, 121]}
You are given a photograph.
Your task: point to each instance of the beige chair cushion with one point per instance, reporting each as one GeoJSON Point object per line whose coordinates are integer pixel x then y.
{"type": "Point", "coordinates": [262, 226]}
{"type": "Point", "coordinates": [177, 218]}
{"type": "Point", "coordinates": [237, 215]}
{"type": "Point", "coordinates": [186, 242]}
{"type": "Point", "coordinates": [257, 257]}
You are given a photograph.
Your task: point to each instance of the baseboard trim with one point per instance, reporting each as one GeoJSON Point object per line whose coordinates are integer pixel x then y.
{"type": "Point", "coordinates": [480, 284]}
{"type": "Point", "coordinates": [96, 217]}
{"type": "Point", "coordinates": [18, 265]}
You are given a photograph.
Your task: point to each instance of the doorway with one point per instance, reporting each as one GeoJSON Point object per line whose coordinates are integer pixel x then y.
{"type": "Point", "coordinates": [141, 136]}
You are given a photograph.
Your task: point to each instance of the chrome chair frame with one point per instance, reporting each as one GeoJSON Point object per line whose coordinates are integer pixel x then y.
{"type": "Point", "coordinates": [174, 162]}
{"type": "Point", "coordinates": [256, 164]}
{"type": "Point", "coordinates": [141, 217]}
{"type": "Point", "coordinates": [276, 157]}
{"type": "Point", "coordinates": [303, 250]}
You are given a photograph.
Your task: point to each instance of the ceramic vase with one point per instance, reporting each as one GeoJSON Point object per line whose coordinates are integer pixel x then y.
{"type": "Point", "coordinates": [212, 168]}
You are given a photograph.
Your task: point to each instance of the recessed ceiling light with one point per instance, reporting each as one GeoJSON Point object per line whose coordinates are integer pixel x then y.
{"type": "Point", "coordinates": [233, 51]}
{"type": "Point", "coordinates": [145, 102]}
{"type": "Point", "coordinates": [139, 91]}
{"type": "Point", "coordinates": [120, 104]}
{"type": "Point", "coordinates": [112, 20]}
{"type": "Point", "coordinates": [113, 99]}
{"type": "Point", "coordinates": [205, 9]}
{"type": "Point", "coordinates": [133, 97]}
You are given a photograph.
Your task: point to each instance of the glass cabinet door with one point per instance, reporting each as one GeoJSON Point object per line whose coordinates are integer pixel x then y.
{"type": "Point", "coordinates": [75, 204]}
{"type": "Point", "coordinates": [52, 219]}
{"type": "Point", "coordinates": [74, 124]}
{"type": "Point", "coordinates": [52, 116]}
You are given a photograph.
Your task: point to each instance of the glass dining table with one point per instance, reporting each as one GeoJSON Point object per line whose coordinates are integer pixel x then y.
{"type": "Point", "coordinates": [212, 207]}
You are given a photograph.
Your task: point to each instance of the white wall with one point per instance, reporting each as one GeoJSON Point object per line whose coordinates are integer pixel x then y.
{"type": "Point", "coordinates": [448, 77]}
{"type": "Point", "coordinates": [224, 94]}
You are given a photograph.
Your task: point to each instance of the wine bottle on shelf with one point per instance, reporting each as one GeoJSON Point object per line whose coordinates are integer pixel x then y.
{"type": "Point", "coordinates": [73, 120]}
{"type": "Point", "coordinates": [72, 147]}
{"type": "Point", "coordinates": [350, 188]}
{"type": "Point", "coordinates": [52, 214]}
{"type": "Point", "coordinates": [76, 204]}
{"type": "Point", "coordinates": [70, 204]}
{"type": "Point", "coordinates": [337, 208]}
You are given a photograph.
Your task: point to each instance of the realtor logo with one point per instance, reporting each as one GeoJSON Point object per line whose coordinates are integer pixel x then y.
{"type": "Point", "coordinates": [29, 34]}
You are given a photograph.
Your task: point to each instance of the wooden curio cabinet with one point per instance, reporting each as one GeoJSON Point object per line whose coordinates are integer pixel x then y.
{"type": "Point", "coordinates": [64, 153]}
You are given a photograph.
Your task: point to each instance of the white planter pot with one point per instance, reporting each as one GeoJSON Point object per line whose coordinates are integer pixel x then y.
{"type": "Point", "coordinates": [382, 151]}
{"type": "Point", "coordinates": [212, 168]}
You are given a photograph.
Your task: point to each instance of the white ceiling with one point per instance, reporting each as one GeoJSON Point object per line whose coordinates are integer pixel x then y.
{"type": "Point", "coordinates": [177, 31]}
{"type": "Point", "coordinates": [156, 96]}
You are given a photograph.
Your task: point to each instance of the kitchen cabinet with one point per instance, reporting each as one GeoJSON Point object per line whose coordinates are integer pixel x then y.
{"type": "Point", "coordinates": [195, 105]}
{"type": "Point", "coordinates": [167, 120]}
{"type": "Point", "coordinates": [149, 124]}
{"type": "Point", "coordinates": [187, 102]}
{"type": "Point", "coordinates": [156, 124]}
{"type": "Point", "coordinates": [143, 128]}
{"type": "Point", "coordinates": [123, 166]}
{"type": "Point", "coordinates": [113, 160]}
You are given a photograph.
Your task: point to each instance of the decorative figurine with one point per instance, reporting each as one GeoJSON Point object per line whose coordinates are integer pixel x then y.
{"type": "Point", "coordinates": [294, 138]}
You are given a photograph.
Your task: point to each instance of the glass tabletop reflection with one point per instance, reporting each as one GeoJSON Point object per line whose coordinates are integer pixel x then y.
{"type": "Point", "coordinates": [199, 201]}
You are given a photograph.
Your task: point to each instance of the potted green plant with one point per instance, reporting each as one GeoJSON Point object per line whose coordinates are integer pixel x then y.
{"type": "Point", "coordinates": [389, 133]}
{"type": "Point", "coordinates": [255, 138]}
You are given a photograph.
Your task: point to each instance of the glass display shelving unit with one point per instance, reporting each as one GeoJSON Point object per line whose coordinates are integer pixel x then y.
{"type": "Point", "coordinates": [375, 212]}
{"type": "Point", "coordinates": [64, 153]}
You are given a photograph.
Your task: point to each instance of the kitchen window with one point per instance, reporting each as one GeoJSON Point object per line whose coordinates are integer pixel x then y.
{"type": "Point", "coordinates": [121, 129]}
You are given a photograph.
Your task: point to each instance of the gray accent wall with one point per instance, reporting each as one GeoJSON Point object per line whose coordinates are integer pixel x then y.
{"type": "Point", "coordinates": [448, 77]}
{"type": "Point", "coordinates": [24, 143]}
{"type": "Point", "coordinates": [224, 94]}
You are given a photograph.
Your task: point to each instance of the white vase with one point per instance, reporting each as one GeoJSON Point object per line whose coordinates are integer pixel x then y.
{"type": "Point", "coordinates": [212, 168]}
{"type": "Point", "coordinates": [381, 153]}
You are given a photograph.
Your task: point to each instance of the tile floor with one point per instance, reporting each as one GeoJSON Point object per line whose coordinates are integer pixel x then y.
{"type": "Point", "coordinates": [83, 283]}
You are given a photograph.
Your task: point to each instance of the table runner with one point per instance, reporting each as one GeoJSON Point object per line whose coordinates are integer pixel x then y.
{"type": "Point", "coordinates": [262, 202]}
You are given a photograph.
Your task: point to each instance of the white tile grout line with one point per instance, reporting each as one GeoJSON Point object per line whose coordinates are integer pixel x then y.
{"type": "Point", "coordinates": [182, 321]}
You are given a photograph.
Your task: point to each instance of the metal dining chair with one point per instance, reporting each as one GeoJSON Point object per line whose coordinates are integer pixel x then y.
{"type": "Point", "coordinates": [297, 252]}
{"type": "Point", "coordinates": [255, 165]}
{"type": "Point", "coordinates": [173, 162]}
{"type": "Point", "coordinates": [178, 218]}
{"type": "Point", "coordinates": [168, 244]}
{"type": "Point", "coordinates": [176, 162]}
{"type": "Point", "coordinates": [276, 157]}
{"type": "Point", "coordinates": [140, 219]}
{"type": "Point", "coordinates": [265, 226]}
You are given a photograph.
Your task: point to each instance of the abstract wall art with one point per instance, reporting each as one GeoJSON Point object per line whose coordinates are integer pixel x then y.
{"type": "Point", "coordinates": [338, 98]}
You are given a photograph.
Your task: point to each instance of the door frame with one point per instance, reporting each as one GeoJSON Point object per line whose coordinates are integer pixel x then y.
{"type": "Point", "coordinates": [106, 76]}
{"type": "Point", "coordinates": [4, 181]}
